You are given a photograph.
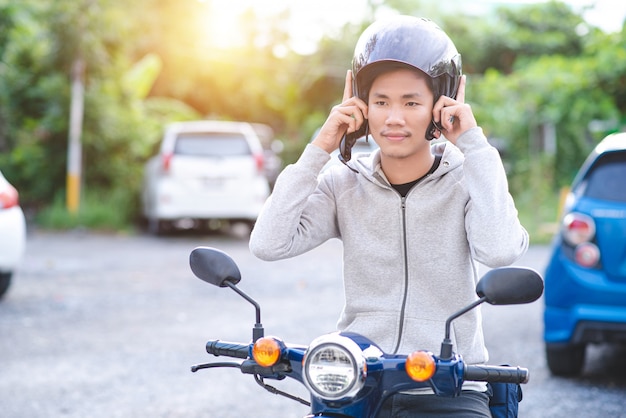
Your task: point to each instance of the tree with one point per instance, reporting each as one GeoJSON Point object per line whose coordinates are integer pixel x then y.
{"type": "Point", "coordinates": [556, 91]}
{"type": "Point", "coordinates": [44, 41]}
{"type": "Point", "coordinates": [513, 35]}
{"type": "Point", "coordinates": [32, 99]}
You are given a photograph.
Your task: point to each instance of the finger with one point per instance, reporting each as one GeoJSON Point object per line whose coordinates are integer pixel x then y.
{"type": "Point", "coordinates": [355, 108]}
{"type": "Point", "coordinates": [460, 95]}
{"type": "Point", "coordinates": [347, 89]}
{"type": "Point", "coordinates": [448, 119]}
{"type": "Point", "coordinates": [360, 109]}
{"type": "Point", "coordinates": [355, 120]}
{"type": "Point", "coordinates": [437, 108]}
{"type": "Point", "coordinates": [347, 117]}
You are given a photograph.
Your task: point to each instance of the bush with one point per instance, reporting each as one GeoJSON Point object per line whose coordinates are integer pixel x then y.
{"type": "Point", "coordinates": [100, 211]}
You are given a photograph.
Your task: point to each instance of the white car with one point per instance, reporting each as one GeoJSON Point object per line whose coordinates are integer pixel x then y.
{"type": "Point", "coordinates": [12, 233]}
{"type": "Point", "coordinates": [208, 174]}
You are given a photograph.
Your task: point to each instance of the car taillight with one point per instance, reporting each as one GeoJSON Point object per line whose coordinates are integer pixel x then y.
{"type": "Point", "coordinates": [579, 231]}
{"type": "Point", "coordinates": [166, 161]}
{"type": "Point", "coordinates": [587, 254]}
{"type": "Point", "coordinates": [259, 161]}
{"type": "Point", "coordinates": [8, 197]}
{"type": "Point", "coordinates": [578, 228]}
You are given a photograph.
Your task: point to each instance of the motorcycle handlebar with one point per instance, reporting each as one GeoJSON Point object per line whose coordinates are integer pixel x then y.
{"type": "Point", "coordinates": [502, 374]}
{"type": "Point", "coordinates": [228, 349]}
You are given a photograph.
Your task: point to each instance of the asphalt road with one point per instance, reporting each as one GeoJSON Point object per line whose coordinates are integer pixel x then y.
{"type": "Point", "coordinates": [109, 325]}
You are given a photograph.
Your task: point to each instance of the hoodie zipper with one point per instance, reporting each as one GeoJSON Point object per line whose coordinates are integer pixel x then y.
{"type": "Point", "coordinates": [406, 277]}
{"type": "Point", "coordinates": [405, 251]}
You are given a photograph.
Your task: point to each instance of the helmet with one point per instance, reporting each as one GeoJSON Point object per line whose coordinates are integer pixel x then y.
{"type": "Point", "coordinates": [407, 41]}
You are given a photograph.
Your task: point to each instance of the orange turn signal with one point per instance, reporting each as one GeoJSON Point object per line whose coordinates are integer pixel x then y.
{"type": "Point", "coordinates": [420, 366]}
{"type": "Point", "coordinates": [266, 351]}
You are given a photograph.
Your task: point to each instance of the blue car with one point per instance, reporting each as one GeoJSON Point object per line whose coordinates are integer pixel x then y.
{"type": "Point", "coordinates": [585, 281]}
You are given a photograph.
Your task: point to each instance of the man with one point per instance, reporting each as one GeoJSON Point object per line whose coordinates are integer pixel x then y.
{"type": "Point", "coordinates": [414, 217]}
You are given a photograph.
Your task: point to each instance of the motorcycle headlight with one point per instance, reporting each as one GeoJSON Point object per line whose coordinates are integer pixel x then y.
{"type": "Point", "coordinates": [334, 367]}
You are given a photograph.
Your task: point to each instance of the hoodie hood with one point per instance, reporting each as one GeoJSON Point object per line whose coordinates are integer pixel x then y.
{"type": "Point", "coordinates": [369, 166]}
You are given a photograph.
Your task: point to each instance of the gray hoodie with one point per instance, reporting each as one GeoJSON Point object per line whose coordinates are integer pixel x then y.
{"type": "Point", "coordinates": [408, 263]}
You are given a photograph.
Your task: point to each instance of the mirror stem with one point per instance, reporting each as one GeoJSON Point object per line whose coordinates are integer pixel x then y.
{"type": "Point", "coordinates": [446, 345]}
{"type": "Point", "coordinates": [257, 331]}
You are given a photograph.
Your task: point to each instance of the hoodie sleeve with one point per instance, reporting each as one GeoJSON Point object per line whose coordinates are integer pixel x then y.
{"type": "Point", "coordinates": [300, 213]}
{"type": "Point", "coordinates": [495, 234]}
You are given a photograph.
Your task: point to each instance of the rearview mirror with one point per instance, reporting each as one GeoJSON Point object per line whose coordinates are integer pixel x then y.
{"type": "Point", "coordinates": [214, 266]}
{"type": "Point", "coordinates": [510, 286]}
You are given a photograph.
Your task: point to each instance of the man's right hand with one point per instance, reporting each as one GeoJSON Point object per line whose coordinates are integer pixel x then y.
{"type": "Point", "coordinates": [344, 118]}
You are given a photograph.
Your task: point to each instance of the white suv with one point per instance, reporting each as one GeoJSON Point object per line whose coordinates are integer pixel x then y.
{"type": "Point", "coordinates": [207, 174]}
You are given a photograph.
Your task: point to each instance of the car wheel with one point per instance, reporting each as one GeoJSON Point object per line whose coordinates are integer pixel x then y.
{"type": "Point", "coordinates": [565, 360]}
{"type": "Point", "coordinates": [158, 226]}
{"type": "Point", "coordinates": [5, 281]}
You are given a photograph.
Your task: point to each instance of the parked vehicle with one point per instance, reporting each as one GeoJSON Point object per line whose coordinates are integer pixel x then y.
{"type": "Point", "coordinates": [585, 298]}
{"type": "Point", "coordinates": [12, 233]}
{"type": "Point", "coordinates": [348, 375]}
{"type": "Point", "coordinates": [207, 174]}
{"type": "Point", "coordinates": [272, 148]}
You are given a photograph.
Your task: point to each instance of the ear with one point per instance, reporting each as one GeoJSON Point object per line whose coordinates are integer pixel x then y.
{"type": "Point", "coordinates": [433, 131]}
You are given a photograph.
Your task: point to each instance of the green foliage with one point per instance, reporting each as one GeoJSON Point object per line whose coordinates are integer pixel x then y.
{"type": "Point", "coordinates": [550, 91]}
{"type": "Point", "coordinates": [98, 211]}
{"type": "Point", "coordinates": [513, 35]}
{"type": "Point", "coordinates": [119, 131]}
{"type": "Point", "coordinates": [141, 76]}
{"type": "Point", "coordinates": [538, 213]}
{"type": "Point", "coordinates": [32, 102]}
{"type": "Point", "coordinates": [541, 29]}
{"type": "Point", "coordinates": [606, 55]}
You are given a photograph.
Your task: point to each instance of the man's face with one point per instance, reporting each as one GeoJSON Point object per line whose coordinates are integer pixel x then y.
{"type": "Point", "coordinates": [400, 107]}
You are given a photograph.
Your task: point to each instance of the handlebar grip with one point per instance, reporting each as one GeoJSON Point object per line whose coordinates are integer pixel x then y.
{"type": "Point", "coordinates": [228, 349]}
{"type": "Point", "coordinates": [502, 374]}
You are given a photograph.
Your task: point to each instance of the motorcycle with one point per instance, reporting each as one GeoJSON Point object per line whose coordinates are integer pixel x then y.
{"type": "Point", "coordinates": [348, 375]}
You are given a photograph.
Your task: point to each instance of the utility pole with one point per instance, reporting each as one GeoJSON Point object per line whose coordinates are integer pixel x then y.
{"type": "Point", "coordinates": [74, 149]}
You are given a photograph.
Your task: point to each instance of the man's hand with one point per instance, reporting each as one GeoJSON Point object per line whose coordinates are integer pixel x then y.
{"type": "Point", "coordinates": [344, 118]}
{"type": "Point", "coordinates": [454, 116]}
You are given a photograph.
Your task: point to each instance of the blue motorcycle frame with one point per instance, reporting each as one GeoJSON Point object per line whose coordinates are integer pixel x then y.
{"type": "Point", "coordinates": [370, 376]}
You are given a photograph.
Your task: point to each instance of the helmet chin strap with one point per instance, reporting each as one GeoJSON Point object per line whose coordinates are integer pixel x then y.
{"type": "Point", "coordinates": [345, 147]}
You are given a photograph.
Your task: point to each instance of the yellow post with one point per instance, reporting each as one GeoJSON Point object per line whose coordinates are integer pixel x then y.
{"type": "Point", "coordinates": [73, 193]}
{"type": "Point", "coordinates": [562, 198]}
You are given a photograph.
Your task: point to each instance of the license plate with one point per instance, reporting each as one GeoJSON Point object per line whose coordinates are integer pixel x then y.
{"type": "Point", "coordinates": [212, 182]}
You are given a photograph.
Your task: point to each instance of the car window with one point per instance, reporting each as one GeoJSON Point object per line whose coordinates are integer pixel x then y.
{"type": "Point", "coordinates": [606, 180]}
{"type": "Point", "coordinates": [222, 144]}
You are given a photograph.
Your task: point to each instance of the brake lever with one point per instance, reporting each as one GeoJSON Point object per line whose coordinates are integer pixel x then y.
{"type": "Point", "coordinates": [197, 367]}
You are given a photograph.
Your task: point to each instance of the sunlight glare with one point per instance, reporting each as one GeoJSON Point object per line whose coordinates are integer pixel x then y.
{"type": "Point", "coordinates": [307, 22]}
